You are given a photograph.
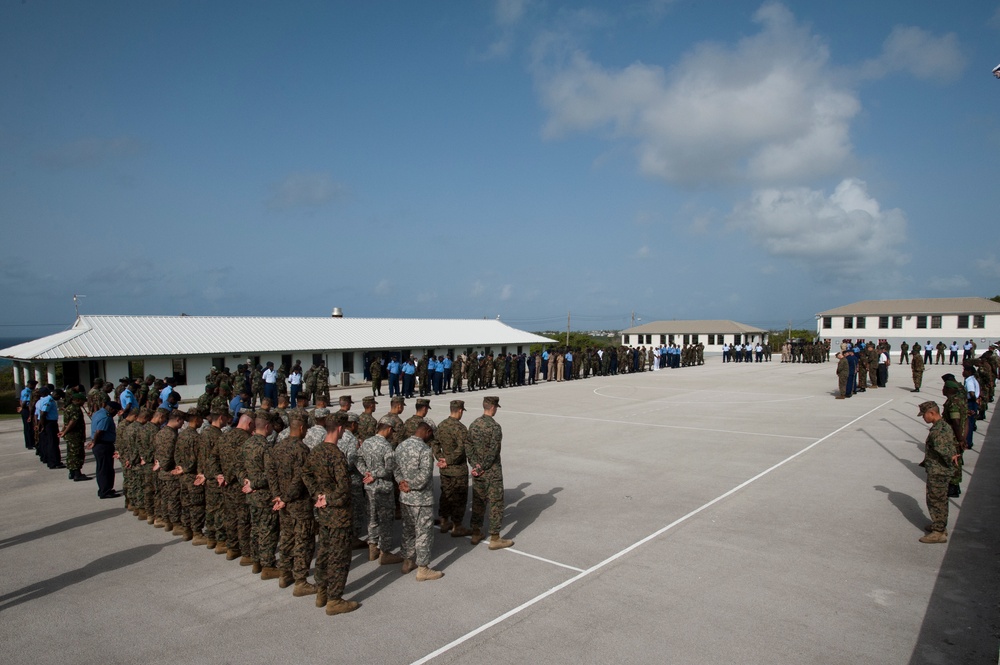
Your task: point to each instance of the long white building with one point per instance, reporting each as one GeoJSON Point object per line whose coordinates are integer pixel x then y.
{"type": "Point", "coordinates": [186, 347]}
{"type": "Point", "coordinates": [914, 321]}
{"type": "Point", "coordinates": [712, 333]}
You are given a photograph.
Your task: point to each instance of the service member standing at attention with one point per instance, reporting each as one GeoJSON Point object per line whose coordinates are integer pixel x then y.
{"type": "Point", "coordinates": [485, 436]}
{"type": "Point", "coordinates": [366, 421]}
{"type": "Point", "coordinates": [329, 484]}
{"type": "Point", "coordinates": [169, 479]}
{"type": "Point", "coordinates": [917, 369]}
{"type": "Point", "coordinates": [376, 463]}
{"type": "Point", "coordinates": [939, 457]}
{"type": "Point", "coordinates": [449, 451]}
{"type": "Point", "coordinates": [259, 496]}
{"type": "Point", "coordinates": [415, 476]}
{"type": "Point", "coordinates": [237, 514]}
{"type": "Point", "coordinates": [74, 431]}
{"type": "Point", "coordinates": [102, 430]}
{"type": "Point", "coordinates": [285, 467]}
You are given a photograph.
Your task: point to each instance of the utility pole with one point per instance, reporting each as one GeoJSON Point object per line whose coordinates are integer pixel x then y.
{"type": "Point", "coordinates": [567, 327]}
{"type": "Point", "coordinates": [633, 319]}
{"type": "Point", "coordinates": [76, 304]}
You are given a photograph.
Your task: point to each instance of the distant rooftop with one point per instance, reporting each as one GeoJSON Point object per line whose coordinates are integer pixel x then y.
{"type": "Point", "coordinates": [916, 306]}
{"type": "Point", "coordinates": [690, 327]}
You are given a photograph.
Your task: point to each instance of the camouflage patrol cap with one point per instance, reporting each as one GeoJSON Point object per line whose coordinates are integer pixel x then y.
{"type": "Point", "coordinates": [352, 417]}
{"type": "Point", "coordinates": [491, 400]}
{"type": "Point", "coordinates": [398, 399]}
{"type": "Point", "coordinates": [346, 399]}
{"type": "Point", "coordinates": [423, 403]}
{"type": "Point", "coordinates": [928, 406]}
{"type": "Point", "coordinates": [457, 404]}
{"type": "Point", "coordinates": [338, 419]}
{"type": "Point", "coordinates": [320, 413]}
{"type": "Point", "coordinates": [385, 421]}
{"type": "Point", "coordinates": [368, 400]}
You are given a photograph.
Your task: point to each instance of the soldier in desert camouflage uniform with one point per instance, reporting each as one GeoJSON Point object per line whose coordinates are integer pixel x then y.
{"type": "Point", "coordinates": [376, 463]}
{"type": "Point", "coordinates": [483, 451]}
{"type": "Point", "coordinates": [917, 370]}
{"type": "Point", "coordinates": [414, 474]}
{"type": "Point", "coordinates": [329, 484]}
{"type": "Point", "coordinates": [349, 445]}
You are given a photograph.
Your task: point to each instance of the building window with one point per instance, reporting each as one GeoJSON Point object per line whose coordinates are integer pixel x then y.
{"type": "Point", "coordinates": [921, 322]}
{"type": "Point", "coordinates": [883, 322]}
{"type": "Point", "coordinates": [936, 321]}
{"type": "Point", "coordinates": [979, 321]}
{"type": "Point", "coordinates": [286, 362]}
{"type": "Point", "coordinates": [179, 369]}
{"type": "Point", "coordinates": [671, 337]}
{"type": "Point", "coordinates": [687, 339]}
{"type": "Point", "coordinates": [860, 322]}
{"type": "Point", "coordinates": [848, 322]}
{"type": "Point", "coordinates": [827, 322]}
{"type": "Point", "coordinates": [348, 362]}
{"type": "Point", "coordinates": [711, 339]}
{"type": "Point", "coordinates": [317, 358]}
{"type": "Point", "coordinates": [649, 339]}
{"type": "Point", "coordinates": [663, 339]}
{"type": "Point", "coordinates": [694, 338]}
{"type": "Point", "coordinates": [136, 369]}
{"type": "Point", "coordinates": [963, 320]}
{"type": "Point", "coordinates": [897, 322]}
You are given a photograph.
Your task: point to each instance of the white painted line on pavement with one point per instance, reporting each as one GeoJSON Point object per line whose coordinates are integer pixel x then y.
{"type": "Point", "coordinates": [630, 422]}
{"type": "Point", "coordinates": [614, 557]}
{"type": "Point", "coordinates": [554, 563]}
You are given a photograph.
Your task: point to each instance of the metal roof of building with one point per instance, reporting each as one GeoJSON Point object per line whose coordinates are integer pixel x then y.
{"type": "Point", "coordinates": [691, 327]}
{"type": "Point", "coordinates": [916, 306]}
{"type": "Point", "coordinates": [178, 336]}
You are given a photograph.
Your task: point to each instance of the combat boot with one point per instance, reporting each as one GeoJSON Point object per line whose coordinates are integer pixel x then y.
{"type": "Point", "coordinates": [246, 561]}
{"type": "Point", "coordinates": [321, 598]}
{"type": "Point", "coordinates": [498, 543]}
{"type": "Point", "coordinates": [270, 573]}
{"type": "Point", "coordinates": [142, 515]}
{"type": "Point", "coordinates": [477, 537]}
{"type": "Point", "coordinates": [954, 490]}
{"type": "Point", "coordinates": [158, 522]}
{"type": "Point", "coordinates": [221, 548]}
{"type": "Point", "coordinates": [257, 568]}
{"type": "Point", "coordinates": [341, 606]}
{"type": "Point", "coordinates": [372, 551]}
{"type": "Point", "coordinates": [460, 532]}
{"type": "Point", "coordinates": [232, 554]}
{"type": "Point", "coordinates": [168, 526]}
{"type": "Point", "coordinates": [303, 589]}
{"type": "Point", "coordinates": [188, 535]}
{"type": "Point", "coordinates": [425, 573]}
{"type": "Point", "coordinates": [388, 558]}
{"type": "Point", "coordinates": [408, 566]}
{"type": "Point", "coordinates": [177, 530]}
{"type": "Point", "coordinates": [150, 519]}
{"type": "Point", "coordinates": [446, 527]}
{"type": "Point", "coordinates": [285, 580]}
{"type": "Point", "coordinates": [211, 544]}
{"type": "Point", "coordinates": [199, 540]}
{"type": "Point", "coordinates": [935, 537]}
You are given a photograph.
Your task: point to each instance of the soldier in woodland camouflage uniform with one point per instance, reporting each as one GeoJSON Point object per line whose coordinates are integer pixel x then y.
{"type": "Point", "coordinates": [125, 447]}
{"type": "Point", "coordinates": [472, 369]}
{"type": "Point", "coordinates": [375, 369]}
{"type": "Point", "coordinates": [208, 464]}
{"type": "Point", "coordinates": [285, 464]}
{"type": "Point", "coordinates": [448, 447]}
{"type": "Point", "coordinates": [955, 412]}
{"type": "Point", "coordinates": [328, 481]}
{"type": "Point", "coordinates": [366, 421]}
{"type": "Point", "coordinates": [73, 433]}
{"type": "Point", "coordinates": [323, 381]}
{"type": "Point", "coordinates": [239, 380]}
{"type": "Point", "coordinates": [917, 369]}
{"type": "Point", "coordinates": [843, 371]}
{"type": "Point", "coordinates": [486, 371]}
{"type": "Point", "coordinates": [410, 424]}
{"type": "Point", "coordinates": [192, 479]}
{"type": "Point", "coordinates": [205, 400]}
{"type": "Point", "coordinates": [872, 355]}
{"type": "Point", "coordinates": [263, 519]}
{"type": "Point", "coordinates": [939, 459]}
{"type": "Point", "coordinates": [422, 376]}
{"type": "Point", "coordinates": [457, 369]}
{"type": "Point", "coordinates": [168, 476]}
{"type": "Point", "coordinates": [483, 451]}
{"type": "Point", "coordinates": [281, 379]}
{"type": "Point", "coordinates": [145, 446]}
{"type": "Point", "coordinates": [309, 382]}
{"type": "Point", "coordinates": [376, 463]}
{"type": "Point", "coordinates": [96, 398]}
{"type": "Point", "coordinates": [349, 445]}
{"type": "Point", "coordinates": [257, 386]}
{"type": "Point", "coordinates": [415, 476]}
{"type": "Point", "coordinates": [231, 476]}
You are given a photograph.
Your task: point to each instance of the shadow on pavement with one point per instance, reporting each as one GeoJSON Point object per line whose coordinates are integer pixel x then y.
{"type": "Point", "coordinates": [104, 564]}
{"type": "Point", "coordinates": [59, 527]}
{"type": "Point", "coordinates": [527, 510]}
{"type": "Point", "coordinates": [914, 467]}
{"type": "Point", "coordinates": [962, 623]}
{"type": "Point", "coordinates": [907, 505]}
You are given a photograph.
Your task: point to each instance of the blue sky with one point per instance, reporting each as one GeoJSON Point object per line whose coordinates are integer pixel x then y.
{"type": "Point", "coordinates": [751, 161]}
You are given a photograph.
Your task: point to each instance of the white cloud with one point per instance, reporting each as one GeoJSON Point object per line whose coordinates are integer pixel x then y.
{"type": "Point", "coordinates": [845, 235]}
{"type": "Point", "coordinates": [506, 292]}
{"type": "Point", "coordinates": [88, 151]}
{"type": "Point", "coordinates": [919, 53]}
{"type": "Point", "coordinates": [643, 252]}
{"type": "Point", "coordinates": [768, 109]}
{"type": "Point", "coordinates": [953, 284]}
{"type": "Point", "coordinates": [305, 190]}
{"type": "Point", "coordinates": [507, 14]}
{"type": "Point", "coordinates": [383, 288]}
{"type": "Point", "coordinates": [989, 266]}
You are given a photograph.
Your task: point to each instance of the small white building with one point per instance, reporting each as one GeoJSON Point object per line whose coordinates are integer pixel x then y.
{"type": "Point", "coordinates": [712, 333]}
{"type": "Point", "coordinates": [918, 321]}
{"type": "Point", "coordinates": [187, 347]}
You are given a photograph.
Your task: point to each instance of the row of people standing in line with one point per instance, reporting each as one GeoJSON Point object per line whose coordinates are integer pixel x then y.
{"type": "Point", "coordinates": [968, 349]}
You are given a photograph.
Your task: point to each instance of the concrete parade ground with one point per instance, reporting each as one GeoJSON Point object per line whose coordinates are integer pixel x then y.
{"type": "Point", "coordinates": [730, 513]}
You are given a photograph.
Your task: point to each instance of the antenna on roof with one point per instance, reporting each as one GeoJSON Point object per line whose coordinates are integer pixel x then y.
{"type": "Point", "coordinates": [76, 304]}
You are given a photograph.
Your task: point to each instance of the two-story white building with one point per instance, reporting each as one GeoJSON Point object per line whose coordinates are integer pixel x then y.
{"type": "Point", "coordinates": [916, 321]}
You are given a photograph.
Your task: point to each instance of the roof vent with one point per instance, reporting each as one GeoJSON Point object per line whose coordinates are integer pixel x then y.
{"type": "Point", "coordinates": [337, 313]}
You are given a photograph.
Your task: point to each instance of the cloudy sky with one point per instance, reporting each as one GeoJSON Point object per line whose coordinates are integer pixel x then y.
{"type": "Point", "coordinates": [520, 158]}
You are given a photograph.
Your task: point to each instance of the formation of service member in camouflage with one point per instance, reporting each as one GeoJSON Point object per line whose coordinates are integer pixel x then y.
{"type": "Point", "coordinates": [376, 464]}
{"type": "Point", "coordinates": [917, 371]}
{"type": "Point", "coordinates": [483, 452]}
{"type": "Point", "coordinates": [414, 474]}
{"type": "Point", "coordinates": [366, 421]}
{"type": "Point", "coordinates": [349, 445]}
{"type": "Point", "coordinates": [285, 464]}
{"type": "Point", "coordinates": [940, 456]}
{"type": "Point", "coordinates": [259, 496]}
{"type": "Point", "coordinates": [74, 432]}
{"type": "Point", "coordinates": [208, 464]}
{"type": "Point", "coordinates": [123, 447]}
{"type": "Point", "coordinates": [329, 484]}
{"type": "Point", "coordinates": [168, 475]}
{"type": "Point", "coordinates": [457, 373]}
{"type": "Point", "coordinates": [230, 478]}
{"type": "Point", "coordinates": [192, 480]}
{"type": "Point", "coordinates": [448, 446]}
{"type": "Point", "coordinates": [146, 445]}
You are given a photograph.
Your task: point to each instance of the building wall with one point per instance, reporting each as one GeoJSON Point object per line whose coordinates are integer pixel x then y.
{"type": "Point", "coordinates": [909, 332]}
{"type": "Point", "coordinates": [712, 345]}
